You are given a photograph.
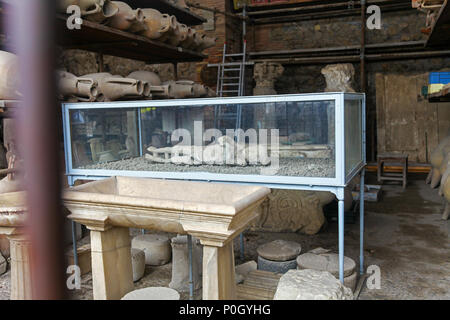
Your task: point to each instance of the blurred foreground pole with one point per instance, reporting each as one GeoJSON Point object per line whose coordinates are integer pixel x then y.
{"type": "Point", "coordinates": [31, 29]}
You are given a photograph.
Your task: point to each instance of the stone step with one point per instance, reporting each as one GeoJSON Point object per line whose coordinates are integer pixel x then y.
{"type": "Point", "coordinates": [258, 285]}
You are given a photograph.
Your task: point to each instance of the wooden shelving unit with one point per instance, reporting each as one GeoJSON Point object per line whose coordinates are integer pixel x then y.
{"type": "Point", "coordinates": [440, 32]}
{"type": "Point", "coordinates": [100, 38]}
{"type": "Point", "coordinates": [183, 15]}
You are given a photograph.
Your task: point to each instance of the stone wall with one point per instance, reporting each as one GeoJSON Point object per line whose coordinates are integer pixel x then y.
{"type": "Point", "coordinates": [345, 31]}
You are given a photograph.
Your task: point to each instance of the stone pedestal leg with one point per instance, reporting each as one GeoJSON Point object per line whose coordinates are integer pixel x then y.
{"type": "Point", "coordinates": [21, 288]}
{"type": "Point", "coordinates": [218, 273]}
{"type": "Point", "coordinates": [112, 273]}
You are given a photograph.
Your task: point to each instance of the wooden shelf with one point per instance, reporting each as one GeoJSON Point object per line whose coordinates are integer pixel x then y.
{"type": "Point", "coordinates": [440, 32]}
{"type": "Point", "coordinates": [183, 15]}
{"type": "Point", "coordinates": [99, 38]}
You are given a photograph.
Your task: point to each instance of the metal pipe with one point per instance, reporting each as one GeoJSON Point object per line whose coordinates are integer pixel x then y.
{"type": "Point", "coordinates": [31, 27]}
{"type": "Point", "coordinates": [191, 278]}
{"type": "Point", "coordinates": [341, 239]}
{"type": "Point", "coordinates": [361, 222]}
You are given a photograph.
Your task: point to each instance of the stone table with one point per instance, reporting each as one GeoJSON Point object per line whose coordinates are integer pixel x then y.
{"type": "Point", "coordinates": [212, 212]}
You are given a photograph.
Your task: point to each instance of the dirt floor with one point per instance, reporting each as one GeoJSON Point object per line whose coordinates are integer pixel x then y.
{"type": "Point", "coordinates": [404, 236]}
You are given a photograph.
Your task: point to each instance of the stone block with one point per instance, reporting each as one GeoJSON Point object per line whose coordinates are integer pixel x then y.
{"type": "Point", "coordinates": [325, 262]}
{"type": "Point", "coordinates": [311, 285]}
{"type": "Point", "coordinates": [155, 246]}
{"type": "Point", "coordinates": [137, 263]}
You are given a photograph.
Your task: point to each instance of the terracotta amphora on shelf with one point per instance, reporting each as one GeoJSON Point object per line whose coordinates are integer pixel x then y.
{"type": "Point", "coordinates": [127, 18]}
{"type": "Point", "coordinates": [174, 36]}
{"type": "Point", "coordinates": [189, 39]}
{"type": "Point", "coordinates": [9, 80]}
{"type": "Point", "coordinates": [161, 92]}
{"type": "Point", "coordinates": [197, 41]}
{"type": "Point", "coordinates": [117, 87]}
{"type": "Point", "coordinates": [101, 11]}
{"type": "Point", "coordinates": [207, 42]}
{"type": "Point", "coordinates": [200, 90]}
{"type": "Point", "coordinates": [157, 23]}
{"type": "Point", "coordinates": [146, 76]}
{"type": "Point", "coordinates": [83, 89]}
{"type": "Point", "coordinates": [180, 89]}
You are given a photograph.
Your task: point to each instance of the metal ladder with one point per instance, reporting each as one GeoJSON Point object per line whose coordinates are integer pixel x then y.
{"type": "Point", "coordinates": [230, 82]}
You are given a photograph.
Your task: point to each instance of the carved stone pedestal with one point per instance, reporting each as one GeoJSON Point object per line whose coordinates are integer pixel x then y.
{"type": "Point", "coordinates": [12, 218]}
{"type": "Point", "coordinates": [21, 288]}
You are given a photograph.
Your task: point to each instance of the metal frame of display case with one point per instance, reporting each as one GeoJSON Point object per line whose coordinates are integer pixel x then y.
{"type": "Point", "coordinates": [335, 185]}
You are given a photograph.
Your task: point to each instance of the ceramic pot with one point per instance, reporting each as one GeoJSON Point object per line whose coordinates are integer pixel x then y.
{"type": "Point", "coordinates": [200, 90]}
{"type": "Point", "coordinates": [84, 89]}
{"type": "Point", "coordinates": [174, 36]}
{"type": "Point", "coordinates": [197, 41]}
{"type": "Point", "coordinates": [207, 42]}
{"type": "Point", "coordinates": [126, 18]}
{"type": "Point", "coordinates": [189, 40]}
{"type": "Point", "coordinates": [157, 23]}
{"type": "Point", "coordinates": [9, 80]}
{"type": "Point", "coordinates": [116, 87]}
{"type": "Point", "coordinates": [147, 76]}
{"type": "Point", "coordinates": [161, 92]}
{"type": "Point", "coordinates": [86, 6]}
{"type": "Point", "coordinates": [104, 9]}
{"type": "Point", "coordinates": [180, 90]}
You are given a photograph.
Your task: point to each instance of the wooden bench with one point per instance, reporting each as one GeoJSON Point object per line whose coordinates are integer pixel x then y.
{"type": "Point", "coordinates": [392, 158]}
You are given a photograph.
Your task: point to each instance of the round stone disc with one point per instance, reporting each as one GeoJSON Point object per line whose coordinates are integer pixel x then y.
{"type": "Point", "coordinates": [279, 250]}
{"type": "Point", "coordinates": [152, 293]}
{"type": "Point", "coordinates": [325, 262]}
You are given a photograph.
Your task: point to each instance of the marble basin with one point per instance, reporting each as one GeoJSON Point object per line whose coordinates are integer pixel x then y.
{"type": "Point", "coordinates": [214, 213]}
{"type": "Point", "coordinates": [171, 206]}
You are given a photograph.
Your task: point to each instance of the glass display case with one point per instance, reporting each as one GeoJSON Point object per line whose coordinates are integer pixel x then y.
{"type": "Point", "coordinates": [281, 141]}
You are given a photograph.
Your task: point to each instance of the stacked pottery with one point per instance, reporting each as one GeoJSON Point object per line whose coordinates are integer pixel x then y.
{"type": "Point", "coordinates": [9, 81]}
{"type": "Point", "coordinates": [116, 87]}
{"type": "Point", "coordinates": [127, 18]}
{"type": "Point", "coordinates": [92, 10]}
{"type": "Point", "coordinates": [82, 89]}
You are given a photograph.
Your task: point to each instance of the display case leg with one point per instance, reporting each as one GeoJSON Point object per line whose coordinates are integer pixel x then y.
{"type": "Point", "coordinates": [191, 277]}
{"type": "Point", "coordinates": [241, 240]}
{"type": "Point", "coordinates": [361, 222]}
{"type": "Point", "coordinates": [74, 243]}
{"type": "Point", "coordinates": [341, 240]}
